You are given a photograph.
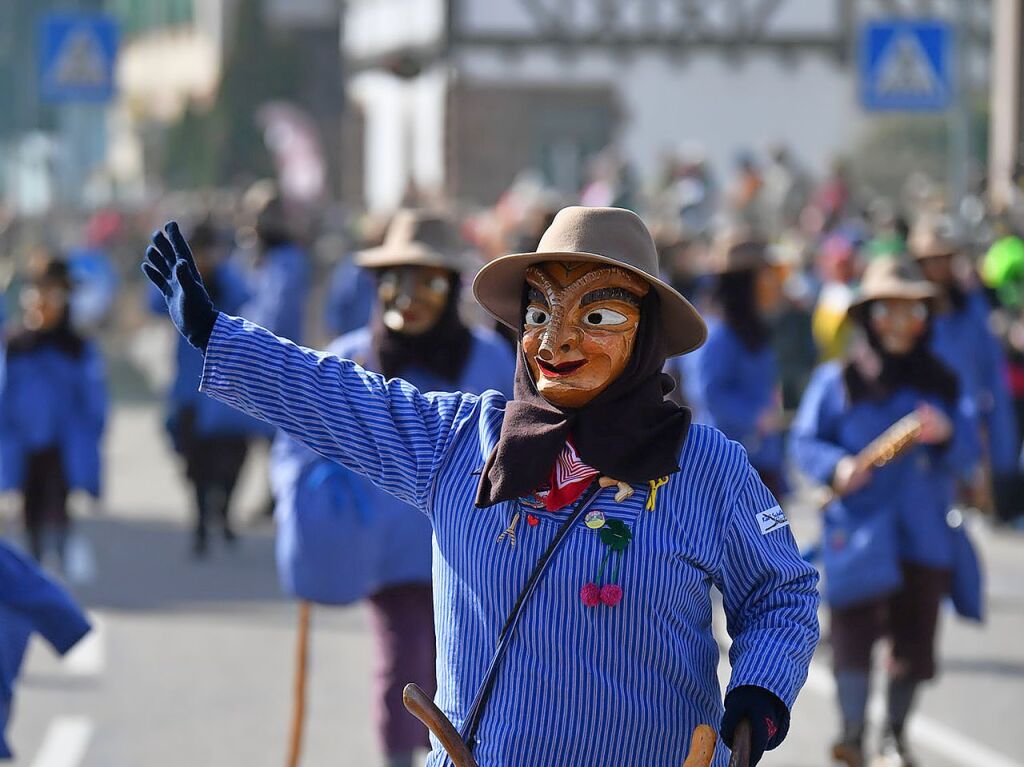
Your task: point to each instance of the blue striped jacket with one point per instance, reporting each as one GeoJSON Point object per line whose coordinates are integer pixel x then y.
{"type": "Point", "coordinates": [580, 686]}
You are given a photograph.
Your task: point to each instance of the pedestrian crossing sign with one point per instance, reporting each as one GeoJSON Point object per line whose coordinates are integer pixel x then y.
{"type": "Point", "coordinates": [906, 65]}
{"type": "Point", "coordinates": [77, 52]}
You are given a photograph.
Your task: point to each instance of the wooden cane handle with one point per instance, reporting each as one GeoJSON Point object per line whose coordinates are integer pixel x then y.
{"type": "Point", "coordinates": [702, 747]}
{"type": "Point", "coordinates": [423, 708]}
{"type": "Point", "coordinates": [741, 745]}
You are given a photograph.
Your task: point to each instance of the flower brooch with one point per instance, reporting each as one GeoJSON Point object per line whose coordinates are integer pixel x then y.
{"type": "Point", "coordinates": [615, 535]}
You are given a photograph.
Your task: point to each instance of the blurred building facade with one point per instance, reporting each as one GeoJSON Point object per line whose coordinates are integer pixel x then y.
{"type": "Point", "coordinates": [452, 98]}
{"type": "Point", "coordinates": [519, 84]}
{"type": "Point", "coordinates": [500, 85]}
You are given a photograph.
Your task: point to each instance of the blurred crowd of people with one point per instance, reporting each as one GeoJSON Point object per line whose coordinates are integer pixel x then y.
{"type": "Point", "coordinates": [819, 299]}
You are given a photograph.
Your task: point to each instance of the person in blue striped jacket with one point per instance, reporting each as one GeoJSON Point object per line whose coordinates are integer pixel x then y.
{"type": "Point", "coordinates": [586, 513]}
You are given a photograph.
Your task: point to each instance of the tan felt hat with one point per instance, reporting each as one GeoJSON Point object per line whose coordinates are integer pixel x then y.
{"type": "Point", "coordinates": [612, 236]}
{"type": "Point", "coordinates": [418, 238]}
{"type": "Point", "coordinates": [891, 277]}
{"type": "Point", "coordinates": [932, 236]}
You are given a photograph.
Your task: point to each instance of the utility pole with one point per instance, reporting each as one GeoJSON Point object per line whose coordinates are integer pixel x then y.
{"type": "Point", "coordinates": [1005, 100]}
{"type": "Point", "coordinates": [960, 157]}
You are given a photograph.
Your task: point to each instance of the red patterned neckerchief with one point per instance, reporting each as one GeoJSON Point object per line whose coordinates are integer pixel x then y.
{"type": "Point", "coordinates": [570, 476]}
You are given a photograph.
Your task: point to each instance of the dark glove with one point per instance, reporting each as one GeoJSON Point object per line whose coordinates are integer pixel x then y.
{"type": "Point", "coordinates": [170, 266]}
{"type": "Point", "coordinates": [768, 717]}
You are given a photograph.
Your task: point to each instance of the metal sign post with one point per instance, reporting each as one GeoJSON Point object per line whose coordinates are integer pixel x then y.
{"type": "Point", "coordinates": [77, 54]}
{"type": "Point", "coordinates": [920, 66]}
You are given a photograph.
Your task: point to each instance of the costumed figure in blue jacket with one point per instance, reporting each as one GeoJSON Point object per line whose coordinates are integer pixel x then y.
{"type": "Point", "coordinates": [351, 291]}
{"type": "Point", "coordinates": [323, 508]}
{"type": "Point", "coordinates": [277, 273]}
{"type": "Point", "coordinates": [30, 602]}
{"type": "Point", "coordinates": [891, 549]}
{"type": "Point", "coordinates": [212, 438]}
{"type": "Point", "coordinates": [732, 382]}
{"type": "Point", "coordinates": [53, 405]}
{"type": "Point", "coordinates": [962, 337]}
{"type": "Point", "coordinates": [578, 528]}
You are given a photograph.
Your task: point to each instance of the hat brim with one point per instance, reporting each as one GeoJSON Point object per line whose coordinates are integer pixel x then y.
{"type": "Point", "coordinates": [932, 252]}
{"type": "Point", "coordinates": [383, 257]}
{"type": "Point", "coordinates": [498, 288]}
{"type": "Point", "coordinates": [916, 292]}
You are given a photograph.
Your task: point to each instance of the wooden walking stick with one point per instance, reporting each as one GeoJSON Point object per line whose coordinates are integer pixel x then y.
{"type": "Point", "coordinates": [702, 742]}
{"type": "Point", "coordinates": [702, 747]}
{"type": "Point", "coordinates": [741, 745]}
{"type": "Point", "coordinates": [301, 669]}
{"type": "Point", "coordinates": [422, 707]}
{"type": "Point", "coordinates": [891, 444]}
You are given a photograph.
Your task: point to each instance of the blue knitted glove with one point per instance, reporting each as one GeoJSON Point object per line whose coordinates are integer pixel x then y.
{"type": "Point", "coordinates": [768, 716]}
{"type": "Point", "coordinates": [170, 266]}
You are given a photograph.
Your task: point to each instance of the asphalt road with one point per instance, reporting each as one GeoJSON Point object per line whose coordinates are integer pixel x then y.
{"type": "Point", "coordinates": [192, 663]}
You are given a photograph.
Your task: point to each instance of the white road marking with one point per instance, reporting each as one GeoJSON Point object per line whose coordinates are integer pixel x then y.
{"type": "Point", "coordinates": [66, 742]}
{"type": "Point", "coordinates": [925, 731]}
{"type": "Point", "coordinates": [88, 657]}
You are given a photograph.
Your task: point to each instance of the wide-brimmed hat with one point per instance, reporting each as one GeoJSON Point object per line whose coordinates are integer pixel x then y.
{"type": "Point", "coordinates": [737, 249]}
{"type": "Point", "coordinates": [612, 236]}
{"type": "Point", "coordinates": [890, 277]}
{"type": "Point", "coordinates": [932, 236]}
{"type": "Point", "coordinates": [418, 238]}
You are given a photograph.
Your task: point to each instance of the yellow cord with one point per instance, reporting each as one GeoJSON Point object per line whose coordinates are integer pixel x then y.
{"type": "Point", "coordinates": [652, 495]}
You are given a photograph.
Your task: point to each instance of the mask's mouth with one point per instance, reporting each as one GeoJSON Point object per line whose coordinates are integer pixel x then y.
{"type": "Point", "coordinates": [558, 371]}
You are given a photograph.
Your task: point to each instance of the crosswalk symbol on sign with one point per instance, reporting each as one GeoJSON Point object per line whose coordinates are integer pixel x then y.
{"type": "Point", "coordinates": [77, 53]}
{"type": "Point", "coordinates": [905, 69]}
{"type": "Point", "coordinates": [81, 63]}
{"type": "Point", "coordinates": [905, 65]}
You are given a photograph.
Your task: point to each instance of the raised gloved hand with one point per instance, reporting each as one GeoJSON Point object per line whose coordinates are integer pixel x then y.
{"type": "Point", "coordinates": [768, 717]}
{"type": "Point", "coordinates": [170, 266]}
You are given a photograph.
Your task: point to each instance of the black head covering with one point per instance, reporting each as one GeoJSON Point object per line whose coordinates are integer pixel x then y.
{"type": "Point", "coordinates": [62, 336]}
{"type": "Point", "coordinates": [443, 350]}
{"type": "Point", "coordinates": [918, 369]}
{"type": "Point", "coordinates": [630, 431]}
{"type": "Point", "coordinates": [736, 293]}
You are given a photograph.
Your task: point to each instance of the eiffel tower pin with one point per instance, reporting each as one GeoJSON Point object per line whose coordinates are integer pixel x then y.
{"type": "Point", "coordinates": [510, 531]}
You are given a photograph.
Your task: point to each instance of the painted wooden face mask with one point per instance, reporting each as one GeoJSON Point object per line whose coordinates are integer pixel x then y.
{"type": "Point", "coordinates": [412, 297]}
{"type": "Point", "coordinates": [580, 328]}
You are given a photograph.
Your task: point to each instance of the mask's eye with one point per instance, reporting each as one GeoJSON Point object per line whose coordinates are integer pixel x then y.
{"type": "Point", "coordinates": [438, 285]}
{"type": "Point", "coordinates": [387, 286]}
{"type": "Point", "coordinates": [604, 317]}
{"type": "Point", "coordinates": [536, 316]}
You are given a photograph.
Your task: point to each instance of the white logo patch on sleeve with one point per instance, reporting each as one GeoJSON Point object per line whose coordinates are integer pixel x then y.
{"type": "Point", "coordinates": [772, 519]}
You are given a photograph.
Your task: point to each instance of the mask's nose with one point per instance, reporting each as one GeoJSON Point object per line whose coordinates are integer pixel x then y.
{"type": "Point", "coordinates": [561, 336]}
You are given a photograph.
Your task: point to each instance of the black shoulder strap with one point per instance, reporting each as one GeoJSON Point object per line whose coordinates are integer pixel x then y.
{"type": "Point", "coordinates": [476, 711]}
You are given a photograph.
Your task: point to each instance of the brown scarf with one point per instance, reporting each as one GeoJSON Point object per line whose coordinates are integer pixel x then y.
{"type": "Point", "coordinates": [629, 432]}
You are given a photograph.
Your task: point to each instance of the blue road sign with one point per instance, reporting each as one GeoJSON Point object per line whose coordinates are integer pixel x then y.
{"type": "Point", "coordinates": [77, 52]}
{"type": "Point", "coordinates": [906, 65]}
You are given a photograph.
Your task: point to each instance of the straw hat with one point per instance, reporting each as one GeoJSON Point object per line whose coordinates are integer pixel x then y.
{"type": "Point", "coordinates": [612, 236]}
{"type": "Point", "coordinates": [417, 238]}
{"type": "Point", "coordinates": [932, 236]}
{"type": "Point", "coordinates": [889, 277]}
